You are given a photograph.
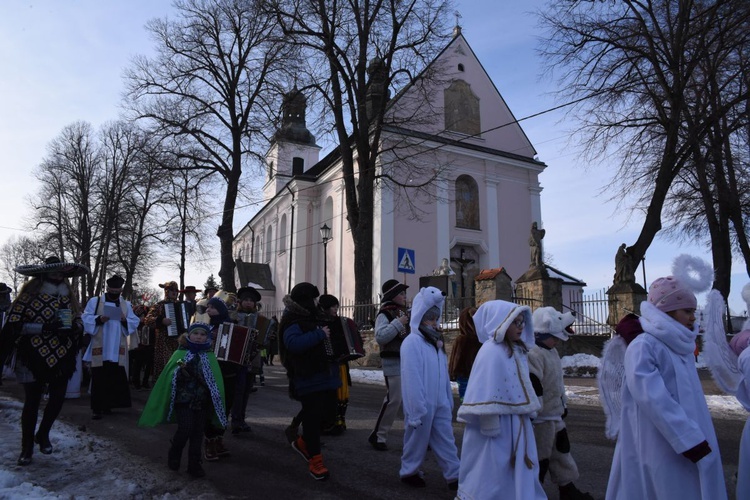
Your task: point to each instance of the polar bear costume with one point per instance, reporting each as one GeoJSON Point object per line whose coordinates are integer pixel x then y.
{"type": "Point", "coordinates": [427, 395]}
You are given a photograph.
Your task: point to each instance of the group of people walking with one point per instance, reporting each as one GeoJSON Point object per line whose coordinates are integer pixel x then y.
{"type": "Point", "coordinates": [512, 396]}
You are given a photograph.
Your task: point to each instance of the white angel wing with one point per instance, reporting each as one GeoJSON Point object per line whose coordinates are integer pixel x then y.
{"type": "Point", "coordinates": [611, 378]}
{"type": "Point", "coordinates": [720, 358]}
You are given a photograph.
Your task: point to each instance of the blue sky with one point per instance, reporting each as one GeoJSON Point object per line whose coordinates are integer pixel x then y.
{"type": "Point", "coordinates": [63, 61]}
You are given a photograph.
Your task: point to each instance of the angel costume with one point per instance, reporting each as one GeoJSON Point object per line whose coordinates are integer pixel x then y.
{"type": "Point", "coordinates": [499, 458]}
{"type": "Point", "coordinates": [664, 414]}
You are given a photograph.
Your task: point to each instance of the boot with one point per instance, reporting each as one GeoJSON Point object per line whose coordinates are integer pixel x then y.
{"type": "Point", "coordinates": [221, 450]}
{"type": "Point", "coordinates": [317, 470]}
{"type": "Point", "coordinates": [543, 468]}
{"type": "Point", "coordinates": [25, 457]}
{"type": "Point", "coordinates": [173, 458]}
{"type": "Point", "coordinates": [196, 470]}
{"type": "Point", "coordinates": [570, 492]}
{"type": "Point", "coordinates": [210, 450]}
{"type": "Point", "coordinates": [43, 441]}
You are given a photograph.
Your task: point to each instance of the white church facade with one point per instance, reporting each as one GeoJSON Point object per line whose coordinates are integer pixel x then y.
{"type": "Point", "coordinates": [477, 211]}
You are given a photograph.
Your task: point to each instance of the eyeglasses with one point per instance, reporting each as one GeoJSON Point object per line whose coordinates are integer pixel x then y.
{"type": "Point", "coordinates": [519, 323]}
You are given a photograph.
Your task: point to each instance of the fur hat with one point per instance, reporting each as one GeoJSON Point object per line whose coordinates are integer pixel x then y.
{"type": "Point", "coordinates": [305, 294]}
{"type": "Point", "coordinates": [248, 292]}
{"type": "Point", "coordinates": [690, 275]}
{"type": "Point", "coordinates": [427, 298]}
{"type": "Point", "coordinates": [115, 282]}
{"type": "Point", "coordinates": [326, 301]}
{"type": "Point", "coordinates": [53, 265]}
{"type": "Point", "coordinates": [549, 321]}
{"type": "Point", "coordinates": [740, 342]}
{"type": "Point", "coordinates": [169, 285]}
{"type": "Point", "coordinates": [391, 288]}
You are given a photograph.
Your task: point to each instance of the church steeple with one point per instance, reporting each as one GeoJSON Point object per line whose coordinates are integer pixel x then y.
{"type": "Point", "coordinates": [293, 123]}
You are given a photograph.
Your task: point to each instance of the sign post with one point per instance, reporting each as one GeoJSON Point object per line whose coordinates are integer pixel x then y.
{"type": "Point", "coordinates": [406, 261]}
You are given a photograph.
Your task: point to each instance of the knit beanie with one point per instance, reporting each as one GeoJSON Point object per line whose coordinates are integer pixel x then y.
{"type": "Point", "coordinates": [326, 301]}
{"type": "Point", "coordinates": [304, 294]}
{"type": "Point", "coordinates": [192, 346]}
{"type": "Point", "coordinates": [220, 306]}
{"type": "Point", "coordinates": [432, 314]}
{"type": "Point", "coordinates": [740, 342]}
{"type": "Point", "coordinates": [670, 294]}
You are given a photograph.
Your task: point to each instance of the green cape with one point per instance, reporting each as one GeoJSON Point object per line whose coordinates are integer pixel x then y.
{"type": "Point", "coordinates": [157, 407]}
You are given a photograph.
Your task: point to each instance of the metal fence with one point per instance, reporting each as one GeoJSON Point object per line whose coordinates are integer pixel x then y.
{"type": "Point", "coordinates": [592, 311]}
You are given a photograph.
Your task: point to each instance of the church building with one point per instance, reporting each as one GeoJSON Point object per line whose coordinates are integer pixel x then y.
{"type": "Point", "coordinates": [476, 212]}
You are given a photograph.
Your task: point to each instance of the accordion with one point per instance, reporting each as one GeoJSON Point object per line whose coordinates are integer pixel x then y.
{"type": "Point", "coordinates": [236, 343]}
{"type": "Point", "coordinates": [178, 313]}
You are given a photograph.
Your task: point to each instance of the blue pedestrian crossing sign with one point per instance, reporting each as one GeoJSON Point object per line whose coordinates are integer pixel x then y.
{"type": "Point", "coordinates": [406, 261]}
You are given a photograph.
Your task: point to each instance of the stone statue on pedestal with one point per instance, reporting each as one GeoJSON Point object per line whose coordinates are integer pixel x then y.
{"type": "Point", "coordinates": [624, 268]}
{"type": "Point", "coordinates": [535, 244]}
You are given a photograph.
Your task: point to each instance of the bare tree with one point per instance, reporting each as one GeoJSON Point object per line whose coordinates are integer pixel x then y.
{"type": "Point", "coordinates": [638, 73]}
{"type": "Point", "coordinates": [357, 53]}
{"type": "Point", "coordinates": [65, 208]}
{"type": "Point", "coordinates": [211, 83]}
{"type": "Point", "coordinates": [17, 251]}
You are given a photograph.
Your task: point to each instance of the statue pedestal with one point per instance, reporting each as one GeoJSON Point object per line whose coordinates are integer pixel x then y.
{"type": "Point", "coordinates": [537, 289]}
{"type": "Point", "coordinates": [624, 298]}
{"type": "Point", "coordinates": [492, 284]}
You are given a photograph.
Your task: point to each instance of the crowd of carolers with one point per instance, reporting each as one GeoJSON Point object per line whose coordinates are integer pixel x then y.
{"type": "Point", "coordinates": [511, 391]}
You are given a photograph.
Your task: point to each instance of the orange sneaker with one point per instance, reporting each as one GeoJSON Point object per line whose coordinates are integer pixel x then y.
{"type": "Point", "coordinates": [300, 447]}
{"type": "Point", "coordinates": [317, 470]}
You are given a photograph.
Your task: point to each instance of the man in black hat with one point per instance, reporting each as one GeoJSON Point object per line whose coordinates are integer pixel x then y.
{"type": "Point", "coordinates": [109, 319]}
{"type": "Point", "coordinates": [248, 300]}
{"type": "Point", "coordinates": [189, 293]}
{"type": "Point", "coordinates": [391, 328]}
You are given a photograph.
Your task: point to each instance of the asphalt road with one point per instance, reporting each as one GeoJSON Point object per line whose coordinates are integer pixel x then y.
{"type": "Point", "coordinates": [263, 465]}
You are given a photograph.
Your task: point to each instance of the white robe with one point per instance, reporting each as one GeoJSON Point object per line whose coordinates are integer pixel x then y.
{"type": "Point", "coordinates": [499, 437]}
{"type": "Point", "coordinates": [428, 407]}
{"type": "Point", "coordinates": [110, 331]}
{"type": "Point", "coordinates": [743, 396]}
{"type": "Point", "coordinates": [664, 414]}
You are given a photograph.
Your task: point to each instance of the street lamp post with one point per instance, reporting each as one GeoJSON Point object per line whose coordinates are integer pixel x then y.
{"type": "Point", "coordinates": [326, 233]}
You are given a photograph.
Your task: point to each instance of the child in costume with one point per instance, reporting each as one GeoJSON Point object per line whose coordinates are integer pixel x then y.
{"type": "Point", "coordinates": [730, 367]}
{"type": "Point", "coordinates": [427, 395]}
{"type": "Point", "coordinates": [552, 444]}
{"type": "Point", "coordinates": [189, 391]}
{"type": "Point", "coordinates": [498, 455]}
{"type": "Point", "coordinates": [667, 446]}
{"type": "Point", "coordinates": [465, 349]}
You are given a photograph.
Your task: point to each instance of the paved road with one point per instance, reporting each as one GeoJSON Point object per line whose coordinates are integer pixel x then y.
{"type": "Point", "coordinates": [263, 465]}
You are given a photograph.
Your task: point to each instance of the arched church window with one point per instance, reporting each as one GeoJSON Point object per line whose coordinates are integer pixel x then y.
{"type": "Point", "coordinates": [269, 243]}
{"type": "Point", "coordinates": [467, 202]}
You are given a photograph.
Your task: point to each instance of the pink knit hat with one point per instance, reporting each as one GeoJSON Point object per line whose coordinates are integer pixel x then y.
{"type": "Point", "coordinates": [740, 342]}
{"type": "Point", "coordinates": [670, 294]}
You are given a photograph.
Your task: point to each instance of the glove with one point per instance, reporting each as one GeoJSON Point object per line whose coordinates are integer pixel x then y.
{"type": "Point", "coordinates": [565, 413]}
{"type": "Point", "coordinates": [52, 327]}
{"type": "Point", "coordinates": [697, 452]}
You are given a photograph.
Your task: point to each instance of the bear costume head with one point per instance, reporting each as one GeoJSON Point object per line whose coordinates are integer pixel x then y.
{"type": "Point", "coordinates": [427, 298]}
{"type": "Point", "coordinates": [549, 321]}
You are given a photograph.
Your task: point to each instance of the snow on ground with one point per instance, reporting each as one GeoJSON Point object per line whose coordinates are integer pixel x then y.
{"type": "Point", "coordinates": [125, 476]}
{"type": "Point", "coordinates": [69, 470]}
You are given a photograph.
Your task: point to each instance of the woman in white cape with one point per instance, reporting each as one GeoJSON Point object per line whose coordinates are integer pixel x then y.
{"type": "Point", "coordinates": [498, 457]}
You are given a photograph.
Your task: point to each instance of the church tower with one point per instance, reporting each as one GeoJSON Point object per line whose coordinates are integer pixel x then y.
{"type": "Point", "coordinates": [293, 150]}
